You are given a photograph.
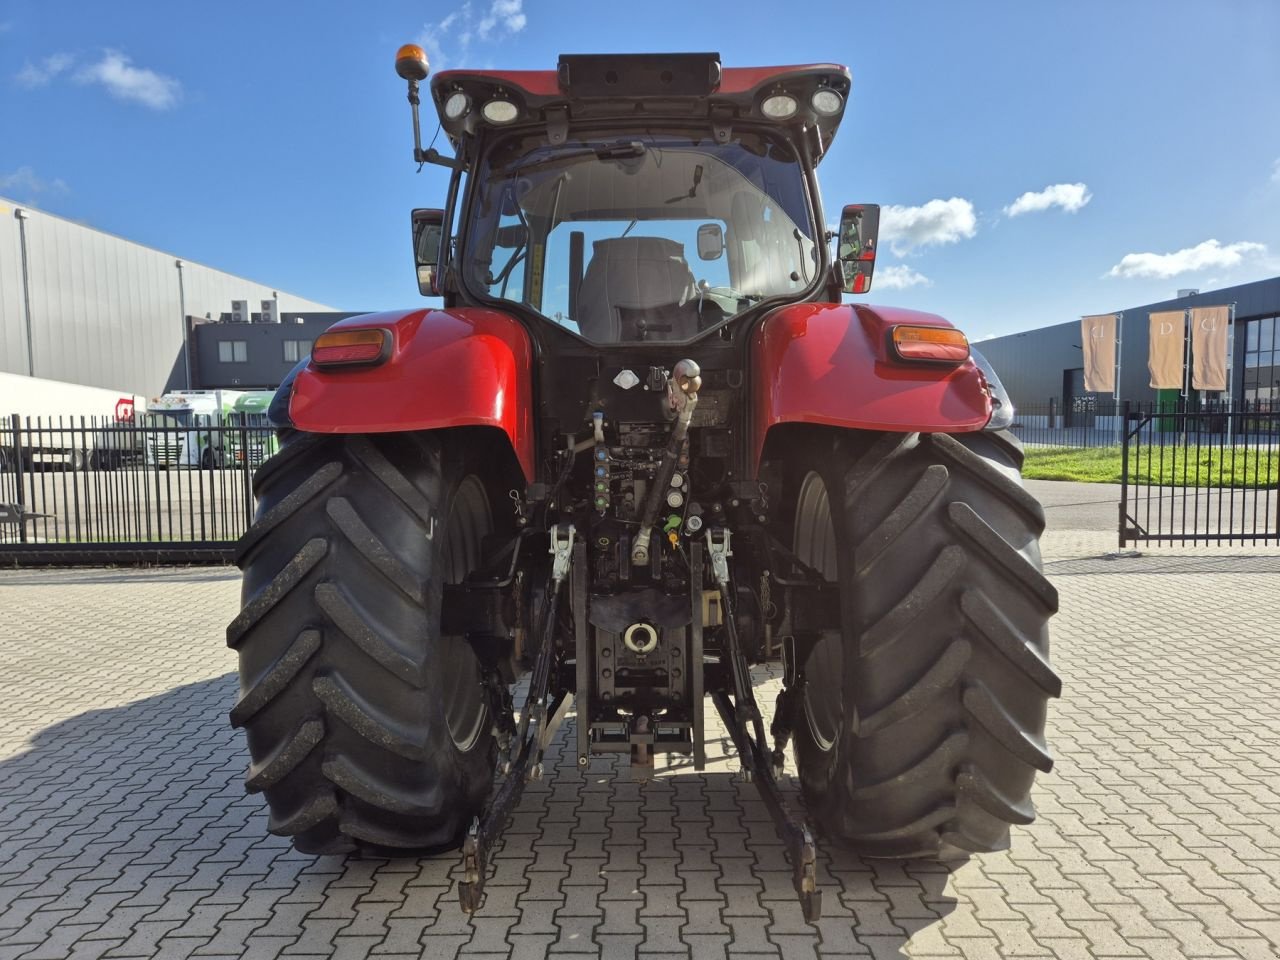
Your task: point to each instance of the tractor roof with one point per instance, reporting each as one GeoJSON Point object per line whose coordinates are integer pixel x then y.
{"type": "Point", "coordinates": [631, 88]}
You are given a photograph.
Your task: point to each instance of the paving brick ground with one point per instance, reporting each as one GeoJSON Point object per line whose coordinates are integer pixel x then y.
{"type": "Point", "coordinates": [124, 831]}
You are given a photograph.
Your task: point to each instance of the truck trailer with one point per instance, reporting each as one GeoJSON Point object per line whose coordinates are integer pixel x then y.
{"type": "Point", "coordinates": [49, 422]}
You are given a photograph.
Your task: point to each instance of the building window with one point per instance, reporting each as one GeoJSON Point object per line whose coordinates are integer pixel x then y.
{"type": "Point", "coordinates": [1262, 359]}
{"type": "Point", "coordinates": [233, 351]}
{"type": "Point", "coordinates": [295, 350]}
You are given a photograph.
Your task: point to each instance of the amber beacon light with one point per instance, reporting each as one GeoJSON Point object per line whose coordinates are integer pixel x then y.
{"type": "Point", "coordinates": [411, 62]}
{"type": "Point", "coordinates": [929, 344]}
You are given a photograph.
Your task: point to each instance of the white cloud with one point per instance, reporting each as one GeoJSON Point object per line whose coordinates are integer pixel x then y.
{"type": "Point", "coordinates": [448, 42]}
{"type": "Point", "coordinates": [507, 14]}
{"type": "Point", "coordinates": [933, 223]}
{"type": "Point", "coordinates": [1275, 171]}
{"type": "Point", "coordinates": [1210, 255]}
{"type": "Point", "coordinates": [900, 277]}
{"type": "Point", "coordinates": [1069, 196]}
{"type": "Point", "coordinates": [23, 183]}
{"type": "Point", "coordinates": [115, 72]}
{"type": "Point", "coordinates": [40, 74]}
{"type": "Point", "coordinates": [124, 81]}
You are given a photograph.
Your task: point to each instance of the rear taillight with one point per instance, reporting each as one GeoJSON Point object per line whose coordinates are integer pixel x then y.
{"type": "Point", "coordinates": [351, 348]}
{"type": "Point", "coordinates": [929, 344]}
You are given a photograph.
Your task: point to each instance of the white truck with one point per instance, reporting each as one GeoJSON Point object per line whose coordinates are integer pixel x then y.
{"type": "Point", "coordinates": [188, 428]}
{"type": "Point", "coordinates": [66, 423]}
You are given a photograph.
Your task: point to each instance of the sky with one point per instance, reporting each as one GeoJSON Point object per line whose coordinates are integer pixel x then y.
{"type": "Point", "coordinates": [1036, 161]}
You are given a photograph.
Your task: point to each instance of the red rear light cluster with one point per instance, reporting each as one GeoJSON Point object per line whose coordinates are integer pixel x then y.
{"type": "Point", "coordinates": [929, 344]}
{"type": "Point", "coordinates": [351, 348]}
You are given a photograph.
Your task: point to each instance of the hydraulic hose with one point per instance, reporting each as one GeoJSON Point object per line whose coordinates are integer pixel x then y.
{"type": "Point", "coordinates": [683, 385]}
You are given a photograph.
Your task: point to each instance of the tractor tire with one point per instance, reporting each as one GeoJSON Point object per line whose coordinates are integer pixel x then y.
{"type": "Point", "coordinates": [920, 722]}
{"type": "Point", "coordinates": [367, 728]}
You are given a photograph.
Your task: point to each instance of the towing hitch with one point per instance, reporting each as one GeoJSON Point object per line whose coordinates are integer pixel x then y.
{"type": "Point", "coordinates": [544, 712]}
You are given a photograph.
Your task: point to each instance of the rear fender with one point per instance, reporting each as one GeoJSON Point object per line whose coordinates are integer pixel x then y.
{"type": "Point", "coordinates": [460, 367]}
{"type": "Point", "coordinates": [829, 364]}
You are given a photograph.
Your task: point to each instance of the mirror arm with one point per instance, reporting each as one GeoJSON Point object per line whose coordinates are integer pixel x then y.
{"type": "Point", "coordinates": [837, 285]}
{"type": "Point", "coordinates": [440, 160]}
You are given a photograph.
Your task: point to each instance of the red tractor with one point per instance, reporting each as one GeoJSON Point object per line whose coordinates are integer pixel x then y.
{"type": "Point", "coordinates": [641, 446]}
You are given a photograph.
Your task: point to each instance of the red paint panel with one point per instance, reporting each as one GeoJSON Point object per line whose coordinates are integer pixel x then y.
{"type": "Point", "coordinates": [746, 79]}
{"type": "Point", "coordinates": [829, 364]}
{"type": "Point", "coordinates": [448, 368]}
{"type": "Point", "coordinates": [538, 83]}
{"type": "Point", "coordinates": [546, 83]}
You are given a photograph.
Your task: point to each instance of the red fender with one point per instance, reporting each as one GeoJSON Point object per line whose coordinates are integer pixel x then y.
{"type": "Point", "coordinates": [462, 367]}
{"type": "Point", "coordinates": [829, 363]}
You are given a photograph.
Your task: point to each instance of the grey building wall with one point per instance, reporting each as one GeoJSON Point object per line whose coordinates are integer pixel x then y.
{"type": "Point", "coordinates": [105, 311]}
{"type": "Point", "coordinates": [1034, 365]}
{"type": "Point", "coordinates": [265, 363]}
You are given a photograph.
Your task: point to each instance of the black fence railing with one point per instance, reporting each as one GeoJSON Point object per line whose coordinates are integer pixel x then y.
{"type": "Point", "coordinates": [171, 488]}
{"type": "Point", "coordinates": [1095, 422]}
{"type": "Point", "coordinates": [1200, 477]}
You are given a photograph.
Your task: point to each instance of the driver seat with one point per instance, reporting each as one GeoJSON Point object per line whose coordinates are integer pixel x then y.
{"type": "Point", "coordinates": [638, 275]}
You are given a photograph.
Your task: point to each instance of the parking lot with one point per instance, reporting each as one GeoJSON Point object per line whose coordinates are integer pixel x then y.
{"type": "Point", "coordinates": [125, 832]}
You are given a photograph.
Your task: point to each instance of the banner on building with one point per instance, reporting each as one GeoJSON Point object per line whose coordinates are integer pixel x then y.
{"type": "Point", "coordinates": [1168, 344]}
{"type": "Point", "coordinates": [1098, 341]}
{"type": "Point", "coordinates": [1209, 348]}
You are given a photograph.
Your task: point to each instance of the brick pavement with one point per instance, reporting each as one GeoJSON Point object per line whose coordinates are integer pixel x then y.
{"type": "Point", "coordinates": [124, 830]}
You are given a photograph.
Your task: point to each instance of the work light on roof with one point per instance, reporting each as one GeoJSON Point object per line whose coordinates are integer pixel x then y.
{"type": "Point", "coordinates": [826, 103]}
{"type": "Point", "coordinates": [500, 111]}
{"type": "Point", "coordinates": [781, 106]}
{"type": "Point", "coordinates": [457, 106]}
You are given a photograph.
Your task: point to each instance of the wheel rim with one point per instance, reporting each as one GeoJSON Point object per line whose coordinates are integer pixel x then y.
{"type": "Point", "coordinates": [814, 543]}
{"type": "Point", "coordinates": [469, 522]}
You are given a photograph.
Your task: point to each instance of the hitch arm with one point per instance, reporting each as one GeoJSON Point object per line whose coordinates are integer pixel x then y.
{"type": "Point", "coordinates": [742, 717]}
{"type": "Point", "coordinates": [525, 761]}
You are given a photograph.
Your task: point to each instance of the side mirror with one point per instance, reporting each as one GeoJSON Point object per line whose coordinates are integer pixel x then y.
{"type": "Point", "coordinates": [710, 241]}
{"type": "Point", "coordinates": [856, 245]}
{"type": "Point", "coordinates": [428, 230]}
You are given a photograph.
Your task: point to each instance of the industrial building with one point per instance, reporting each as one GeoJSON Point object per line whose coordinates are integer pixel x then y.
{"type": "Point", "coordinates": [84, 306]}
{"type": "Point", "coordinates": [1045, 367]}
{"type": "Point", "coordinates": [253, 354]}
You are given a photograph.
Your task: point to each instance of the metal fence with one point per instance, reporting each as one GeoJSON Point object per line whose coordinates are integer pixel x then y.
{"type": "Point", "coordinates": [1095, 422]}
{"type": "Point", "coordinates": [165, 489]}
{"type": "Point", "coordinates": [1206, 476]}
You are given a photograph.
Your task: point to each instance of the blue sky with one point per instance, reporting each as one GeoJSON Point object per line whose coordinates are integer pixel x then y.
{"type": "Point", "coordinates": [272, 139]}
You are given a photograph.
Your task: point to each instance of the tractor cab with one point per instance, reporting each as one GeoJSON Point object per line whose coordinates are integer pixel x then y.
{"type": "Point", "coordinates": [632, 199]}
